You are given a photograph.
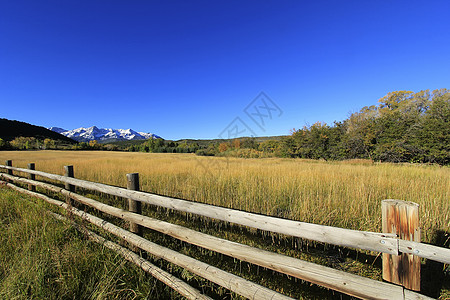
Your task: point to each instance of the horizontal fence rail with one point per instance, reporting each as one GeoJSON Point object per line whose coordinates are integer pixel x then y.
{"type": "Point", "coordinates": [324, 276]}
{"type": "Point", "coordinates": [426, 251]}
{"type": "Point", "coordinates": [334, 279]}
{"type": "Point", "coordinates": [230, 281]}
{"type": "Point", "coordinates": [177, 284]}
{"type": "Point", "coordinates": [378, 242]}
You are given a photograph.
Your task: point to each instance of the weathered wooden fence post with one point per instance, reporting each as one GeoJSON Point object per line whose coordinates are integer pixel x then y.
{"type": "Point", "coordinates": [134, 206]}
{"type": "Point", "coordinates": [68, 172]}
{"type": "Point", "coordinates": [31, 187]}
{"type": "Point", "coordinates": [401, 218]}
{"type": "Point", "coordinates": [9, 164]}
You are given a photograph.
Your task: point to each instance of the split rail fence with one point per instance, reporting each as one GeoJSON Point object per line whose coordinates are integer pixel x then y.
{"type": "Point", "coordinates": [400, 244]}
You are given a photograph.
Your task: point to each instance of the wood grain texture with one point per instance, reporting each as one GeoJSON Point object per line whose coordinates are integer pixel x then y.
{"type": "Point", "coordinates": [133, 205]}
{"type": "Point", "coordinates": [425, 250]}
{"type": "Point", "coordinates": [402, 218]}
{"type": "Point", "coordinates": [68, 172]}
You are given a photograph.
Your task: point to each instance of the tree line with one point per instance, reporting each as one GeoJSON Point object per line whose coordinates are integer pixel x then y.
{"type": "Point", "coordinates": [33, 143]}
{"type": "Point", "coordinates": [403, 127]}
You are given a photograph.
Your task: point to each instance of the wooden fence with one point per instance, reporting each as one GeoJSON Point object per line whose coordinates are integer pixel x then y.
{"type": "Point", "coordinates": [396, 252]}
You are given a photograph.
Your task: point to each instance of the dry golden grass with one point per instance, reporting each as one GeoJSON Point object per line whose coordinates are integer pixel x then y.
{"type": "Point", "coordinates": [345, 194]}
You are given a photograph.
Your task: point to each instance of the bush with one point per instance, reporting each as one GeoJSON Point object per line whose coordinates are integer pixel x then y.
{"type": "Point", "coordinates": [204, 152]}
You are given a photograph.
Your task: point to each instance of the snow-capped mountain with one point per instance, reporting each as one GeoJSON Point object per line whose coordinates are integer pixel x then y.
{"type": "Point", "coordinates": [103, 134]}
{"type": "Point", "coordinates": [57, 129]}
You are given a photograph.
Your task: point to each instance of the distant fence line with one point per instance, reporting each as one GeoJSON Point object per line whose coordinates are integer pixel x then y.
{"type": "Point", "coordinates": [398, 218]}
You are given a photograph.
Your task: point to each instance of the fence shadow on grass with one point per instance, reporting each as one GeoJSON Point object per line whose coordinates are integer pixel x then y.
{"type": "Point", "coordinates": [436, 270]}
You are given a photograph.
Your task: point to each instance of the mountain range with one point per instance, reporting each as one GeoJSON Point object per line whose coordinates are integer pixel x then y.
{"type": "Point", "coordinates": [103, 134]}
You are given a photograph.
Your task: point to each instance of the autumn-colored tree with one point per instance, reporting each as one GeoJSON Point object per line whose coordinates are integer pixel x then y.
{"type": "Point", "coordinates": [49, 143]}
{"type": "Point", "coordinates": [236, 143]}
{"type": "Point", "coordinates": [223, 147]}
{"type": "Point", "coordinates": [394, 100]}
{"type": "Point", "coordinates": [93, 144]}
{"type": "Point", "coordinates": [24, 143]}
{"type": "Point", "coordinates": [2, 144]}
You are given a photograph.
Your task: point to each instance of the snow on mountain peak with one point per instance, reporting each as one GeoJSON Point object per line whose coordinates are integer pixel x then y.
{"type": "Point", "coordinates": [57, 129]}
{"type": "Point", "coordinates": [103, 134]}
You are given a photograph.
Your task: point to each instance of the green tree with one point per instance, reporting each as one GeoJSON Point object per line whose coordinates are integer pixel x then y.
{"type": "Point", "coordinates": [336, 134]}
{"type": "Point", "coordinates": [249, 142]}
{"type": "Point", "coordinates": [434, 133]}
{"type": "Point", "coordinates": [360, 135]}
{"type": "Point", "coordinates": [398, 127]}
{"type": "Point", "coordinates": [287, 147]}
{"type": "Point", "coordinates": [403, 127]}
{"type": "Point", "coordinates": [313, 141]}
{"type": "Point", "coordinates": [269, 146]}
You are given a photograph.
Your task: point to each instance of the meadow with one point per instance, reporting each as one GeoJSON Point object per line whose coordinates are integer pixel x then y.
{"type": "Point", "coordinates": [344, 194]}
{"type": "Point", "coordinates": [44, 258]}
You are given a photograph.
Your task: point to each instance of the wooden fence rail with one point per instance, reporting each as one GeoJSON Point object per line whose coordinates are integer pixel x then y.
{"type": "Point", "coordinates": [165, 277]}
{"type": "Point", "coordinates": [324, 276]}
{"type": "Point", "coordinates": [378, 242]}
{"type": "Point", "coordinates": [230, 281]}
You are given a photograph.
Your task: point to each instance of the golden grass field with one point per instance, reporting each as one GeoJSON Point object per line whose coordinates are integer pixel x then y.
{"type": "Point", "coordinates": [345, 194]}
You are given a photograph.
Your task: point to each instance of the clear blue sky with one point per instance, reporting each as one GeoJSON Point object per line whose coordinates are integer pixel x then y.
{"type": "Point", "coordinates": [186, 69]}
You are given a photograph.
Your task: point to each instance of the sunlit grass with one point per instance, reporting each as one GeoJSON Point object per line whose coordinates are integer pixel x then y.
{"type": "Point", "coordinates": [44, 258]}
{"type": "Point", "coordinates": [345, 194]}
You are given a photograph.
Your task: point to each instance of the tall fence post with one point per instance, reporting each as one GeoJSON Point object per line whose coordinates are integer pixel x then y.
{"type": "Point", "coordinates": [31, 187]}
{"type": "Point", "coordinates": [401, 218]}
{"type": "Point", "coordinates": [68, 172]}
{"type": "Point", "coordinates": [9, 164]}
{"type": "Point", "coordinates": [134, 206]}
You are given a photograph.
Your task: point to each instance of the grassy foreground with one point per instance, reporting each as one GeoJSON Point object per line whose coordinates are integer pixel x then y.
{"type": "Point", "coordinates": [345, 194]}
{"type": "Point", "coordinates": [43, 258]}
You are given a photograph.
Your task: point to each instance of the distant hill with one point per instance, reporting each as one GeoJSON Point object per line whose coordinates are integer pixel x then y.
{"type": "Point", "coordinates": [9, 130]}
